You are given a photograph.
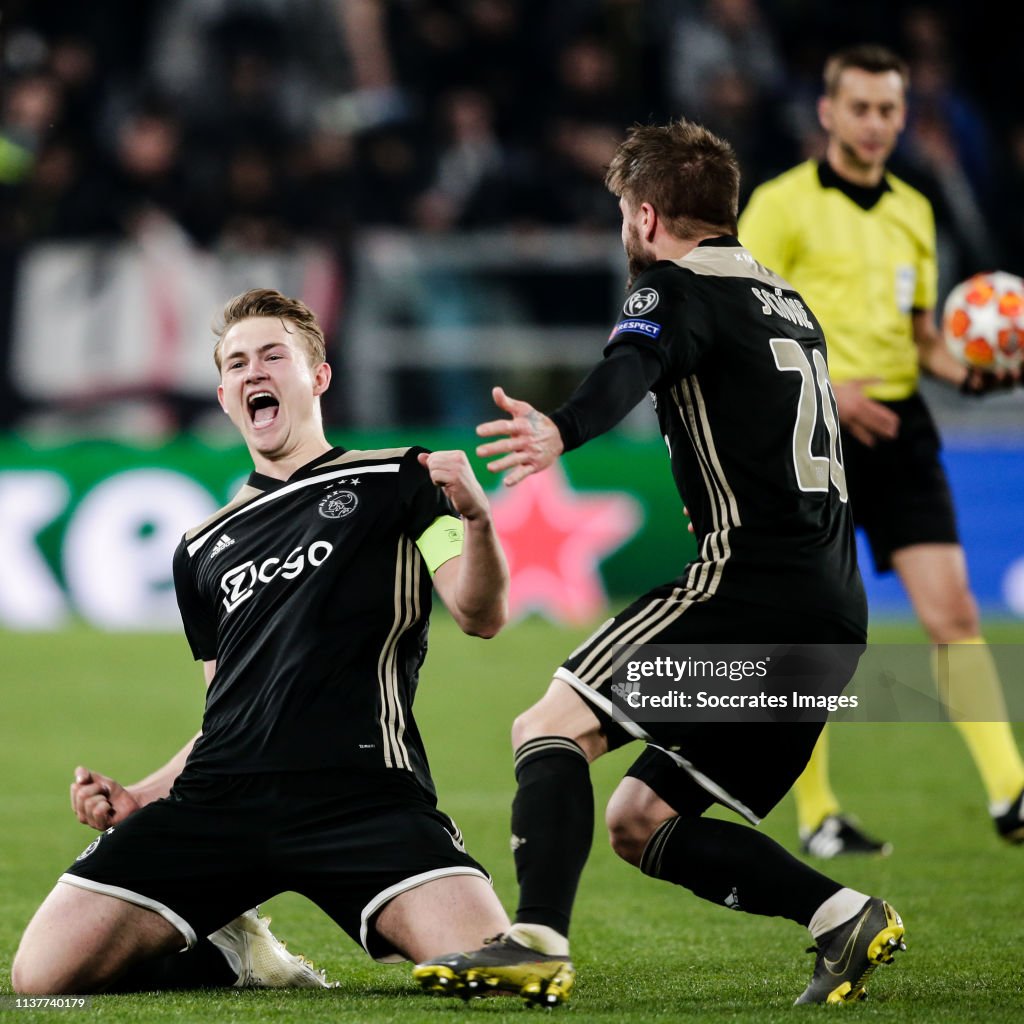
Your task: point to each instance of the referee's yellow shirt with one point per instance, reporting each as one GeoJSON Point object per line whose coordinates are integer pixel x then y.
{"type": "Point", "coordinates": [862, 271]}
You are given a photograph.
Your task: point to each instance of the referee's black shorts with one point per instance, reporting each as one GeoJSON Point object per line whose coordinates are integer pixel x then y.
{"type": "Point", "coordinates": [745, 765]}
{"type": "Point", "coordinates": [898, 489]}
{"type": "Point", "coordinates": [220, 844]}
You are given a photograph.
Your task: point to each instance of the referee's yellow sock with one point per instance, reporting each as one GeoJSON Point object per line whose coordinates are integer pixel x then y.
{"type": "Point", "coordinates": [815, 800]}
{"type": "Point", "coordinates": [969, 686]}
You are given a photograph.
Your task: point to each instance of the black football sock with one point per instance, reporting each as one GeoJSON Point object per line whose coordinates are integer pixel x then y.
{"type": "Point", "coordinates": [736, 866]}
{"type": "Point", "coordinates": [202, 966]}
{"type": "Point", "coordinates": [552, 828]}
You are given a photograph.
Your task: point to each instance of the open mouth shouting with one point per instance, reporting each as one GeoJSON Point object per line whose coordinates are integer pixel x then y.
{"type": "Point", "coordinates": [262, 406]}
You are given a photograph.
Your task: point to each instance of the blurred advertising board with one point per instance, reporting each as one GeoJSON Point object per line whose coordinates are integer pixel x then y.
{"type": "Point", "coordinates": [87, 529]}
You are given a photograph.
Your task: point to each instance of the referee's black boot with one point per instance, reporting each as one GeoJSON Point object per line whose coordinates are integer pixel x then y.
{"type": "Point", "coordinates": [838, 835]}
{"type": "Point", "coordinates": [1010, 824]}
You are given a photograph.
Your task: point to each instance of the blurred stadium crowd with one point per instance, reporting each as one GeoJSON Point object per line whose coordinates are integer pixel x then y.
{"type": "Point", "coordinates": [256, 124]}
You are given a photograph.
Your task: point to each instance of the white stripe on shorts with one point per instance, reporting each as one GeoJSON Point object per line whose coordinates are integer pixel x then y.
{"type": "Point", "coordinates": [387, 895]}
{"type": "Point", "coordinates": [187, 931]}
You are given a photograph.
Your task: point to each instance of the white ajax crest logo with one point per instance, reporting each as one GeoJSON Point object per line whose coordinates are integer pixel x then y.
{"type": "Point", "coordinates": [338, 504]}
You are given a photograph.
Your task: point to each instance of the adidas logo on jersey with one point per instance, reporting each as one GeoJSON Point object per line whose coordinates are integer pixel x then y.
{"type": "Point", "coordinates": [224, 542]}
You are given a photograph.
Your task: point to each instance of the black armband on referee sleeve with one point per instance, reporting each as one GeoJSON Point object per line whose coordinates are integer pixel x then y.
{"type": "Point", "coordinates": [611, 389]}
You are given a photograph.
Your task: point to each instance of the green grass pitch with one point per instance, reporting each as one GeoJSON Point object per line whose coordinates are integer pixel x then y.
{"type": "Point", "coordinates": [645, 951]}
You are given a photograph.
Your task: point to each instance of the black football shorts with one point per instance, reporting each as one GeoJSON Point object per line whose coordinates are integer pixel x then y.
{"type": "Point", "coordinates": [898, 489]}
{"type": "Point", "coordinates": [220, 844]}
{"type": "Point", "coordinates": [747, 766]}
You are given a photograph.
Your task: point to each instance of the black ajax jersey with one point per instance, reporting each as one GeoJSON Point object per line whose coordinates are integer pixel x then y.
{"type": "Point", "coordinates": [314, 600]}
{"type": "Point", "coordinates": [747, 410]}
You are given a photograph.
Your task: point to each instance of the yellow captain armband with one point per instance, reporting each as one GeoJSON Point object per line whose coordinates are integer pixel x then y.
{"type": "Point", "coordinates": [441, 540]}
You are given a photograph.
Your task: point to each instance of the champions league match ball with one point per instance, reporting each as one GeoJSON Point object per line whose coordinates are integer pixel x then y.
{"type": "Point", "coordinates": [983, 321]}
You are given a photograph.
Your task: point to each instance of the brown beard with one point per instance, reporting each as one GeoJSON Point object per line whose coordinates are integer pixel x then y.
{"type": "Point", "coordinates": [637, 257]}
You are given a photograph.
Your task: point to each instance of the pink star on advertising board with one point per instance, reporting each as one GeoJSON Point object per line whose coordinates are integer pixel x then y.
{"type": "Point", "coordinates": [555, 538]}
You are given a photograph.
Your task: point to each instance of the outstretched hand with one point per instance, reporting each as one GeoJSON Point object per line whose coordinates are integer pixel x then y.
{"type": "Point", "coordinates": [531, 441]}
{"type": "Point", "coordinates": [100, 801]}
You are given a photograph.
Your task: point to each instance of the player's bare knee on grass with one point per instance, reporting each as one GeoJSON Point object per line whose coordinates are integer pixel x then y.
{"type": "Point", "coordinates": [35, 974]}
{"type": "Point", "coordinates": [80, 941]}
{"type": "Point", "coordinates": [32, 976]}
{"type": "Point", "coordinates": [57, 969]}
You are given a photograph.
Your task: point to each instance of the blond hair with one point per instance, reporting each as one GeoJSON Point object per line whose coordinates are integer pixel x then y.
{"type": "Point", "coordinates": [270, 303]}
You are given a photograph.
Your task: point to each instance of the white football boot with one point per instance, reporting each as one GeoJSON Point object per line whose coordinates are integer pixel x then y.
{"type": "Point", "coordinates": [260, 959]}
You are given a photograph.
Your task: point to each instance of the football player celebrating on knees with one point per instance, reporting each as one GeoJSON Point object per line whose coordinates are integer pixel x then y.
{"type": "Point", "coordinates": [859, 244]}
{"type": "Point", "coordinates": [307, 598]}
{"type": "Point", "coordinates": [734, 377]}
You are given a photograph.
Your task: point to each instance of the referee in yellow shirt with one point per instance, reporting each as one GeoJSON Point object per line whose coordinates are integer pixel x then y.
{"type": "Point", "coordinates": [859, 244]}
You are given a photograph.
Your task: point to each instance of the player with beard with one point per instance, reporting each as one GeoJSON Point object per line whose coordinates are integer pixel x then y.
{"type": "Point", "coordinates": [735, 364]}
{"type": "Point", "coordinates": [307, 598]}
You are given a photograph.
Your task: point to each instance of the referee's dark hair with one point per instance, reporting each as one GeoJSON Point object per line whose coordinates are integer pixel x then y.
{"type": "Point", "coordinates": [268, 302]}
{"type": "Point", "coordinates": [687, 173]}
{"type": "Point", "coordinates": [870, 57]}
